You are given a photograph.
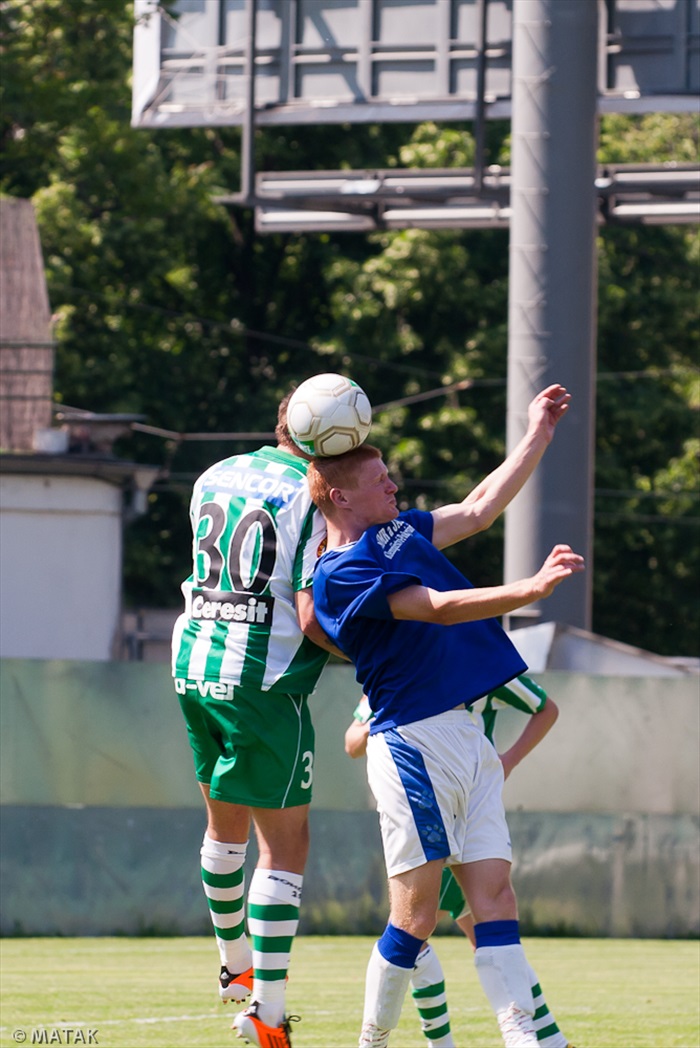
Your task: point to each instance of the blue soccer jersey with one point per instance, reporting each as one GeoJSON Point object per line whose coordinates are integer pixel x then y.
{"type": "Point", "coordinates": [409, 670]}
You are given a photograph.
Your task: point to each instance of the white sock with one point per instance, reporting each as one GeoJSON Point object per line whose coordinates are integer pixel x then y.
{"type": "Point", "coordinates": [273, 917]}
{"type": "Point", "coordinates": [385, 989]}
{"type": "Point", "coordinates": [505, 978]}
{"type": "Point", "coordinates": [222, 879]}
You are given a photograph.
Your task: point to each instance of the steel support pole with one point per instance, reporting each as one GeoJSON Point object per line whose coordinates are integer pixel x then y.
{"type": "Point", "coordinates": [552, 288]}
{"type": "Point", "coordinates": [480, 115]}
{"type": "Point", "coordinates": [247, 194]}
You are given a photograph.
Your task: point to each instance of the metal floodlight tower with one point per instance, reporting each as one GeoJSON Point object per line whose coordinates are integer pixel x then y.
{"type": "Point", "coordinates": [552, 287]}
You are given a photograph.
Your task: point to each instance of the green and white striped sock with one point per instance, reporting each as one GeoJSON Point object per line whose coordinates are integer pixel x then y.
{"type": "Point", "coordinates": [274, 897]}
{"type": "Point", "coordinates": [548, 1033]}
{"type": "Point", "coordinates": [222, 878]}
{"type": "Point", "coordinates": [428, 990]}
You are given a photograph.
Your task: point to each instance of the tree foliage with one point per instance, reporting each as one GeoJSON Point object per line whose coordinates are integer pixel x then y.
{"type": "Point", "coordinates": [169, 306]}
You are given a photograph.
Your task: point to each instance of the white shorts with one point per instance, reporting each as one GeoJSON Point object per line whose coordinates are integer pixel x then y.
{"type": "Point", "coordinates": [438, 786]}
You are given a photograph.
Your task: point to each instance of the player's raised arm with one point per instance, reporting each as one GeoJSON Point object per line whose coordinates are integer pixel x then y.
{"type": "Point", "coordinates": [490, 497]}
{"type": "Point", "coordinates": [423, 604]}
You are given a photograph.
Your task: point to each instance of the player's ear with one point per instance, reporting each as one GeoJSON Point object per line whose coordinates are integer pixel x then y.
{"type": "Point", "coordinates": [338, 498]}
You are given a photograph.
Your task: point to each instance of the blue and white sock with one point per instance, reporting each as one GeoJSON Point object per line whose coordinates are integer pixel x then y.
{"type": "Point", "coordinates": [502, 967]}
{"type": "Point", "coordinates": [389, 972]}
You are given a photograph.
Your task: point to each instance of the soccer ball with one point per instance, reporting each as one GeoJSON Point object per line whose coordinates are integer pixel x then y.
{"type": "Point", "coordinates": [328, 414]}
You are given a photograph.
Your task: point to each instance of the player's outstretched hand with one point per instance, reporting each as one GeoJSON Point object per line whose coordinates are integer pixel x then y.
{"type": "Point", "coordinates": [559, 565]}
{"type": "Point", "coordinates": [547, 408]}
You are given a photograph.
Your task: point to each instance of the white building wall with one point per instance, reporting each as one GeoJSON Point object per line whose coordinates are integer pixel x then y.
{"type": "Point", "coordinates": [60, 564]}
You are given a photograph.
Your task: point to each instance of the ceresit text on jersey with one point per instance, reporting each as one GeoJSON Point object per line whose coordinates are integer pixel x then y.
{"type": "Point", "coordinates": [229, 607]}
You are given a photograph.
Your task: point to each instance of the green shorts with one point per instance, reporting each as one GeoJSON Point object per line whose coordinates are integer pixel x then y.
{"type": "Point", "coordinates": [250, 747]}
{"type": "Point", "coordinates": [451, 896]}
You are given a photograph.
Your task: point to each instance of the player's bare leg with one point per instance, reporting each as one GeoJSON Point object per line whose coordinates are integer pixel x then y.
{"type": "Point", "coordinates": [414, 899]}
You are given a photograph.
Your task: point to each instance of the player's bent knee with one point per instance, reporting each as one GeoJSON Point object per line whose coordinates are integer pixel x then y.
{"type": "Point", "coordinates": [419, 925]}
{"type": "Point", "coordinates": [498, 905]}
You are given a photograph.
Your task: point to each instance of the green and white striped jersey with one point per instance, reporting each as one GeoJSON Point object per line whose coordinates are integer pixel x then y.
{"type": "Point", "coordinates": [256, 538]}
{"type": "Point", "coordinates": [521, 693]}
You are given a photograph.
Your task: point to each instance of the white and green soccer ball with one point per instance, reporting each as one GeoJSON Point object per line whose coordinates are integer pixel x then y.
{"type": "Point", "coordinates": [328, 414]}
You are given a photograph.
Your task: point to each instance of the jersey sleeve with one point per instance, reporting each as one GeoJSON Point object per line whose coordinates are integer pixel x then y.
{"type": "Point", "coordinates": [311, 545]}
{"type": "Point", "coordinates": [422, 521]}
{"type": "Point", "coordinates": [363, 591]}
{"type": "Point", "coordinates": [521, 693]}
{"type": "Point", "coordinates": [357, 590]}
{"type": "Point", "coordinates": [363, 711]}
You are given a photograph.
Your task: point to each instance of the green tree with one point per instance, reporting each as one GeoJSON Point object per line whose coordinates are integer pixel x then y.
{"type": "Point", "coordinates": [647, 503]}
{"type": "Point", "coordinates": [170, 306]}
{"type": "Point", "coordinates": [437, 302]}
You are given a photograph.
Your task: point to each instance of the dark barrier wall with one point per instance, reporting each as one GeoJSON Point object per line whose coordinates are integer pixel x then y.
{"type": "Point", "coordinates": [102, 820]}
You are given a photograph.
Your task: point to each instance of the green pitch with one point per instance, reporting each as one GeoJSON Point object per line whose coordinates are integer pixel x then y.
{"type": "Point", "coordinates": [135, 993]}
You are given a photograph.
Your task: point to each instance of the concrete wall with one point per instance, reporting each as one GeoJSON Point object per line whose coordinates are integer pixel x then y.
{"type": "Point", "coordinates": [60, 560]}
{"type": "Point", "coordinates": [102, 820]}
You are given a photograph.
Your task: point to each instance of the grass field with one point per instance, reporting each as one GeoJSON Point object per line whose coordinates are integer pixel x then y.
{"type": "Point", "coordinates": [161, 993]}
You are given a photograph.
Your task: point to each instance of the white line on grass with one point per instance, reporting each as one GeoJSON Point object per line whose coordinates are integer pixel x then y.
{"type": "Point", "coordinates": [63, 1025]}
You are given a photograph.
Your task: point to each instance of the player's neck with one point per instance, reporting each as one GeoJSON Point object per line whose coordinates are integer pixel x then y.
{"type": "Point", "coordinates": [342, 532]}
{"type": "Point", "coordinates": [292, 449]}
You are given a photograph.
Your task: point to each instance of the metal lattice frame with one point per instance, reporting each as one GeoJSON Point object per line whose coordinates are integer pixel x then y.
{"type": "Point", "coordinates": [220, 82]}
{"type": "Point", "coordinates": [454, 198]}
{"type": "Point", "coordinates": [316, 61]}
